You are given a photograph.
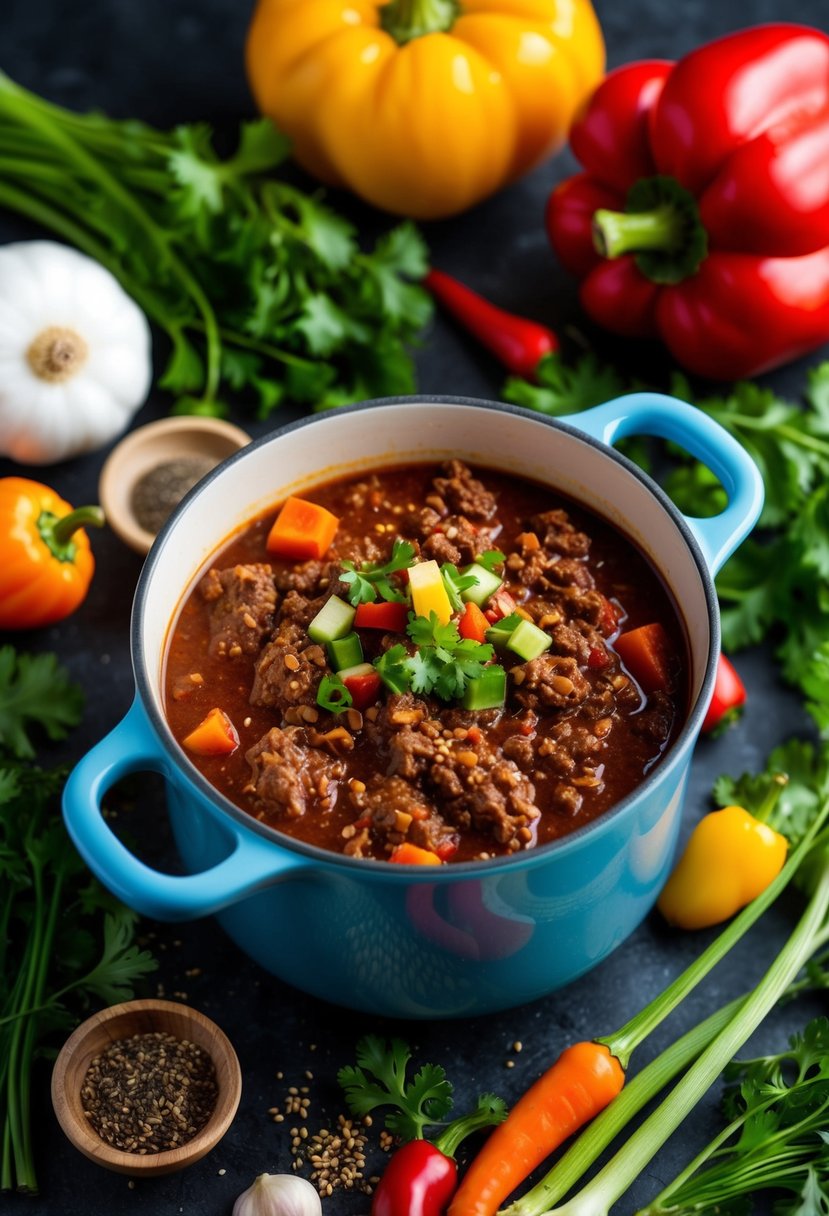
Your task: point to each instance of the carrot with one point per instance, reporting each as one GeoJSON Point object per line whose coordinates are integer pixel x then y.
{"type": "Point", "coordinates": [646, 652]}
{"type": "Point", "coordinates": [412, 855]}
{"type": "Point", "coordinates": [301, 530]}
{"type": "Point", "coordinates": [473, 624]}
{"type": "Point", "coordinates": [214, 736]}
{"type": "Point", "coordinates": [583, 1081]}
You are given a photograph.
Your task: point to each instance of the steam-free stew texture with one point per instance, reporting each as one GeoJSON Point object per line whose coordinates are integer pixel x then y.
{"type": "Point", "coordinates": [427, 665]}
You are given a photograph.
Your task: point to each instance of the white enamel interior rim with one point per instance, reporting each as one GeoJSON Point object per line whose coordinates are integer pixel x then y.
{"type": "Point", "coordinates": [417, 430]}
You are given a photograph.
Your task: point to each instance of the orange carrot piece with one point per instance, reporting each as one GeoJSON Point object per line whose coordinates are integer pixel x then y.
{"type": "Point", "coordinates": [473, 624]}
{"type": "Point", "coordinates": [302, 530]}
{"type": "Point", "coordinates": [214, 736]}
{"type": "Point", "coordinates": [412, 855]}
{"type": "Point", "coordinates": [646, 652]}
{"type": "Point", "coordinates": [583, 1081]}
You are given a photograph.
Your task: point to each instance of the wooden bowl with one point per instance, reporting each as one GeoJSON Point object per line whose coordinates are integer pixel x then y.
{"type": "Point", "coordinates": [120, 1022]}
{"type": "Point", "coordinates": [211, 440]}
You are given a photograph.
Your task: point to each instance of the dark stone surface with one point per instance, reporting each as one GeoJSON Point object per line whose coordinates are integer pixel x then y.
{"type": "Point", "coordinates": [172, 60]}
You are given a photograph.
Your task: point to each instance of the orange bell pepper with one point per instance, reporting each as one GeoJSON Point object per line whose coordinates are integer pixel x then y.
{"type": "Point", "coordinates": [423, 107]}
{"type": "Point", "coordinates": [46, 563]}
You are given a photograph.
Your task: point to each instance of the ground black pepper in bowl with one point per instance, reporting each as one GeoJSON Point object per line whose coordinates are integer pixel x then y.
{"type": "Point", "coordinates": [150, 1092]}
{"type": "Point", "coordinates": [161, 489]}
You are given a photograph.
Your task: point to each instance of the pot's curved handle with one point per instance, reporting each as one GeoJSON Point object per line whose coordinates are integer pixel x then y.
{"type": "Point", "coordinates": [130, 747]}
{"type": "Point", "coordinates": [669, 418]}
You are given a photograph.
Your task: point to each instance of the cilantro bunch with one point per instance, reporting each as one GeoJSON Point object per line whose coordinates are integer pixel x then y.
{"type": "Point", "coordinates": [63, 938]}
{"type": "Point", "coordinates": [259, 287]}
{"type": "Point", "coordinates": [372, 579]}
{"type": "Point", "coordinates": [443, 662]}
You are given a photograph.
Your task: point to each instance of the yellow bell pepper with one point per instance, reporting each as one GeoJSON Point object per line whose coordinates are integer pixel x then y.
{"type": "Point", "coordinates": [730, 857]}
{"type": "Point", "coordinates": [428, 591]}
{"type": "Point", "coordinates": [423, 107]}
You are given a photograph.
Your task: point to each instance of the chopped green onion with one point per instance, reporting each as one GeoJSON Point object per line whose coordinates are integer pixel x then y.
{"type": "Point", "coordinates": [345, 652]}
{"type": "Point", "coordinates": [332, 694]}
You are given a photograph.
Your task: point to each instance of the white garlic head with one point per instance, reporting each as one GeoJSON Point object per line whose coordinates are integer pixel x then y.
{"type": "Point", "coordinates": [74, 353]}
{"type": "Point", "coordinates": [278, 1195]}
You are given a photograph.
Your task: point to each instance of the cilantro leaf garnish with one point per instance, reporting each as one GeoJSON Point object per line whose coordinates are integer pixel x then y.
{"type": "Point", "coordinates": [372, 579]}
{"type": "Point", "coordinates": [34, 691]}
{"type": "Point", "coordinates": [443, 662]}
{"type": "Point", "coordinates": [490, 558]}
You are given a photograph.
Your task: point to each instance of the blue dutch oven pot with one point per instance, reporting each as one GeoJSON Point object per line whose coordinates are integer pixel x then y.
{"type": "Point", "coordinates": [413, 941]}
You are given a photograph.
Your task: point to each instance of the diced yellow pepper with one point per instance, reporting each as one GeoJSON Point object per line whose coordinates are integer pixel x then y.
{"type": "Point", "coordinates": [428, 592]}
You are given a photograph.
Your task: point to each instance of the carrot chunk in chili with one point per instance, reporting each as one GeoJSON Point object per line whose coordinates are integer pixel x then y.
{"type": "Point", "coordinates": [412, 855]}
{"type": "Point", "coordinates": [646, 652]}
{"type": "Point", "coordinates": [302, 530]}
{"type": "Point", "coordinates": [215, 735]}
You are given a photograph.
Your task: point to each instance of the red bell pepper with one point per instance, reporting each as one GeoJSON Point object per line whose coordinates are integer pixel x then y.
{"type": "Point", "coordinates": [389, 615]}
{"type": "Point", "coordinates": [703, 216]}
{"type": "Point", "coordinates": [518, 343]}
{"type": "Point", "coordinates": [728, 698]}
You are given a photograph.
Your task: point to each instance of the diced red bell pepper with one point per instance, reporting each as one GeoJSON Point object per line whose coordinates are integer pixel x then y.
{"type": "Point", "coordinates": [391, 616]}
{"type": "Point", "coordinates": [501, 604]}
{"type": "Point", "coordinates": [364, 688]}
{"type": "Point", "coordinates": [598, 658]}
{"type": "Point", "coordinates": [473, 624]}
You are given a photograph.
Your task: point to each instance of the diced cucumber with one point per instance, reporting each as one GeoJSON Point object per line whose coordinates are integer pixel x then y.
{"type": "Point", "coordinates": [528, 641]}
{"type": "Point", "coordinates": [334, 620]}
{"type": "Point", "coordinates": [345, 652]}
{"type": "Point", "coordinates": [486, 584]}
{"type": "Point", "coordinates": [486, 691]}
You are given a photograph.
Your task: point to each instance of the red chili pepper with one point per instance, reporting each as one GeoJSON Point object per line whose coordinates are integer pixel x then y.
{"type": "Point", "coordinates": [518, 343]}
{"type": "Point", "coordinates": [728, 699]}
{"type": "Point", "coordinates": [418, 1181]}
{"type": "Point", "coordinates": [390, 615]}
{"type": "Point", "coordinates": [703, 217]}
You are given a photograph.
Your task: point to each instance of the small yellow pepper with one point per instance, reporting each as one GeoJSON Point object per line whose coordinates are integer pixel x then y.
{"type": "Point", "coordinates": [423, 107]}
{"type": "Point", "coordinates": [730, 858]}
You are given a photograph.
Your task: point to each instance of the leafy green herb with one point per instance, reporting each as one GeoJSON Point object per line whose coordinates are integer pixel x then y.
{"type": "Point", "coordinates": [258, 286]}
{"type": "Point", "coordinates": [455, 583]}
{"type": "Point", "coordinates": [380, 1079]}
{"type": "Point", "coordinates": [34, 690]}
{"type": "Point", "coordinates": [53, 914]}
{"type": "Point", "coordinates": [490, 559]}
{"type": "Point", "coordinates": [372, 579]}
{"type": "Point", "coordinates": [332, 694]}
{"type": "Point", "coordinates": [805, 770]}
{"type": "Point", "coordinates": [565, 388]}
{"type": "Point", "coordinates": [443, 662]}
{"type": "Point", "coordinates": [777, 1108]}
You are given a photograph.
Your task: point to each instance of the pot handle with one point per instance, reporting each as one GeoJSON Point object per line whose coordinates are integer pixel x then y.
{"type": "Point", "coordinates": [252, 862]}
{"type": "Point", "coordinates": [657, 414]}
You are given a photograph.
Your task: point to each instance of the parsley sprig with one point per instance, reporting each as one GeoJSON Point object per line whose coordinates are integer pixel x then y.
{"type": "Point", "coordinates": [372, 579]}
{"type": "Point", "coordinates": [380, 1079]}
{"type": "Point", "coordinates": [259, 286]}
{"type": "Point", "coordinates": [443, 662]}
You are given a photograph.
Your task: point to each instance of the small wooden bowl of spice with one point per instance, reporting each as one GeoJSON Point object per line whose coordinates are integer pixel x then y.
{"type": "Point", "coordinates": [147, 1087]}
{"type": "Point", "coordinates": [148, 473]}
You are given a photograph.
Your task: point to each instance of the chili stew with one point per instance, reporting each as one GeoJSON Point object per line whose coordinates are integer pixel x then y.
{"type": "Point", "coordinates": [427, 665]}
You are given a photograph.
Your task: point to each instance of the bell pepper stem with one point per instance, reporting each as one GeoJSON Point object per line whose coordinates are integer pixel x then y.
{"type": "Point", "coordinates": [408, 19]}
{"type": "Point", "coordinates": [618, 232]}
{"type": "Point", "coordinates": [81, 517]}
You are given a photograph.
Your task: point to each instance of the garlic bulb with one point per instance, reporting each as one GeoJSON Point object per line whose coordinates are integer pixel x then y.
{"type": "Point", "coordinates": [74, 353]}
{"type": "Point", "coordinates": [278, 1195]}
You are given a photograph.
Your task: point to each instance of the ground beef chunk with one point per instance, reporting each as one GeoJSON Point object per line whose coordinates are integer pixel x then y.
{"type": "Point", "coordinates": [455, 541]}
{"type": "Point", "coordinates": [570, 642]}
{"type": "Point", "coordinates": [552, 682]}
{"type": "Point", "coordinates": [405, 734]}
{"type": "Point", "coordinates": [290, 668]}
{"type": "Point", "coordinates": [310, 578]}
{"type": "Point", "coordinates": [241, 600]}
{"type": "Point", "coordinates": [398, 811]}
{"type": "Point", "coordinates": [521, 750]}
{"type": "Point", "coordinates": [568, 572]}
{"type": "Point", "coordinates": [558, 535]}
{"type": "Point", "coordinates": [463, 493]}
{"type": "Point", "coordinates": [655, 720]}
{"type": "Point", "coordinates": [287, 774]}
{"type": "Point", "coordinates": [493, 795]}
